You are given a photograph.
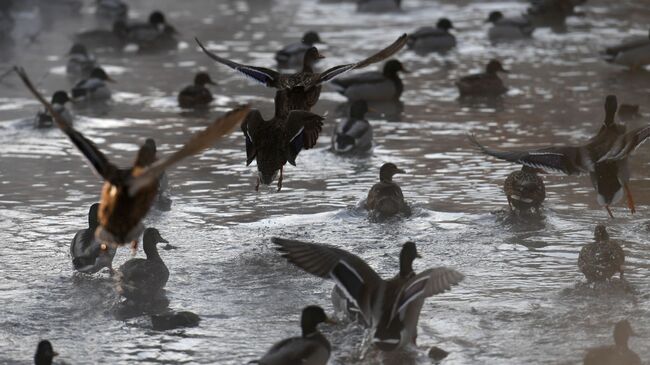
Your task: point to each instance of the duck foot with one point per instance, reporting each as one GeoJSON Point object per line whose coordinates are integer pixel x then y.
{"type": "Point", "coordinates": [134, 248]}
{"type": "Point", "coordinates": [280, 178]}
{"type": "Point", "coordinates": [257, 186]}
{"type": "Point", "coordinates": [609, 211]}
{"type": "Point", "coordinates": [630, 199]}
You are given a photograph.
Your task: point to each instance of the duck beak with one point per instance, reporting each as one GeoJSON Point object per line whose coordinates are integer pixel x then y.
{"type": "Point", "coordinates": [109, 79]}
{"type": "Point", "coordinates": [162, 240]}
{"type": "Point", "coordinates": [417, 255]}
{"type": "Point", "coordinates": [400, 171]}
{"type": "Point", "coordinates": [320, 56]}
{"type": "Point", "coordinates": [212, 83]}
{"type": "Point", "coordinates": [504, 70]}
{"type": "Point", "coordinates": [55, 354]}
{"type": "Point", "coordinates": [330, 321]}
{"type": "Point", "coordinates": [372, 110]}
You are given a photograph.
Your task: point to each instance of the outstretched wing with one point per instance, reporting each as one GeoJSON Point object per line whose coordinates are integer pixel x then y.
{"type": "Point", "coordinates": [626, 144]}
{"type": "Point", "coordinates": [199, 142]}
{"type": "Point", "coordinates": [262, 75]}
{"type": "Point", "coordinates": [303, 129]}
{"type": "Point", "coordinates": [89, 150]}
{"type": "Point", "coordinates": [565, 159]}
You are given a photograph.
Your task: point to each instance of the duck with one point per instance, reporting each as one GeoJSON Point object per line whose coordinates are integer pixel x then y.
{"type": "Point", "coordinates": [391, 308]}
{"type": "Point", "coordinates": [433, 39]}
{"type": "Point", "coordinates": [525, 189]}
{"type": "Point", "coordinates": [88, 255]}
{"type": "Point", "coordinates": [80, 61]}
{"type": "Point", "coordinates": [483, 84]}
{"type": "Point", "coordinates": [155, 33]}
{"type": "Point", "coordinates": [604, 157]}
{"type": "Point", "coordinates": [301, 90]}
{"type": "Point", "coordinates": [115, 38]}
{"type": "Point", "coordinates": [354, 134]}
{"type": "Point", "coordinates": [171, 320]}
{"type": "Point", "coordinates": [633, 52]}
{"type": "Point", "coordinates": [312, 348]}
{"type": "Point", "coordinates": [385, 198]}
{"type": "Point", "coordinates": [508, 28]}
{"type": "Point", "coordinates": [274, 142]}
{"type": "Point", "coordinates": [600, 260]}
{"type": "Point", "coordinates": [93, 88]}
{"type": "Point", "coordinates": [127, 194]}
{"type": "Point", "coordinates": [112, 9]}
{"type": "Point", "coordinates": [196, 95]}
{"type": "Point", "coordinates": [373, 86]}
{"type": "Point", "coordinates": [378, 6]}
{"type": "Point", "coordinates": [617, 354]}
{"type": "Point", "coordinates": [293, 55]}
{"type": "Point", "coordinates": [143, 279]}
{"type": "Point", "coordinates": [553, 8]}
{"type": "Point", "coordinates": [59, 99]}
{"type": "Point", "coordinates": [44, 353]}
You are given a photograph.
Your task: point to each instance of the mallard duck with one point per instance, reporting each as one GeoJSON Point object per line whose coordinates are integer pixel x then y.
{"type": "Point", "coordinates": [604, 157]}
{"type": "Point", "coordinates": [59, 99]}
{"type": "Point", "coordinates": [378, 6]}
{"type": "Point", "coordinates": [127, 194]}
{"type": "Point", "coordinates": [600, 260]}
{"type": "Point", "coordinates": [433, 39]}
{"type": "Point", "coordinates": [391, 307]}
{"type": "Point", "coordinates": [633, 52]}
{"type": "Point", "coordinates": [525, 189]}
{"type": "Point", "coordinates": [44, 353]}
{"type": "Point", "coordinates": [508, 28]}
{"type": "Point", "coordinates": [274, 142]}
{"type": "Point", "coordinates": [373, 86]}
{"type": "Point", "coordinates": [294, 54]}
{"type": "Point", "coordinates": [102, 38]}
{"type": "Point", "coordinates": [197, 95]}
{"type": "Point", "coordinates": [617, 354]}
{"type": "Point", "coordinates": [301, 90]}
{"type": "Point", "coordinates": [143, 279]}
{"type": "Point", "coordinates": [312, 348]}
{"type": "Point", "coordinates": [112, 9]}
{"type": "Point", "coordinates": [385, 198]}
{"type": "Point", "coordinates": [80, 62]}
{"type": "Point", "coordinates": [93, 88]}
{"type": "Point", "coordinates": [354, 134]}
{"type": "Point", "coordinates": [88, 255]}
{"type": "Point", "coordinates": [155, 33]}
{"type": "Point", "coordinates": [483, 84]}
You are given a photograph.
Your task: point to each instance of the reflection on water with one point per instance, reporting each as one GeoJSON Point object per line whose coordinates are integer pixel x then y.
{"type": "Point", "coordinates": [521, 302]}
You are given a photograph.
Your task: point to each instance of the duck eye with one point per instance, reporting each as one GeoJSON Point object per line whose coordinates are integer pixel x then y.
{"type": "Point", "coordinates": [103, 247]}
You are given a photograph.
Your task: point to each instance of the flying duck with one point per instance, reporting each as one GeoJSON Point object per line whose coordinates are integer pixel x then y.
{"type": "Point", "coordinates": [128, 194]}
{"type": "Point", "coordinates": [604, 157]}
{"type": "Point", "coordinates": [88, 255]}
{"type": "Point", "coordinates": [378, 6]}
{"type": "Point", "coordinates": [312, 348]}
{"type": "Point", "coordinates": [525, 189]}
{"type": "Point", "coordinates": [293, 55]}
{"type": "Point", "coordinates": [483, 84]}
{"type": "Point", "coordinates": [80, 62]}
{"type": "Point", "coordinates": [354, 134]}
{"type": "Point", "coordinates": [390, 307]}
{"type": "Point", "coordinates": [143, 279]}
{"type": "Point", "coordinates": [508, 28]}
{"type": "Point", "coordinates": [196, 95]}
{"type": "Point", "coordinates": [114, 38]}
{"type": "Point", "coordinates": [155, 33]}
{"type": "Point", "coordinates": [433, 39]}
{"type": "Point", "coordinates": [44, 353]}
{"type": "Point", "coordinates": [93, 88]}
{"type": "Point", "coordinates": [600, 260]}
{"type": "Point", "coordinates": [633, 53]}
{"type": "Point", "coordinates": [373, 86]}
{"type": "Point", "coordinates": [274, 142]}
{"type": "Point", "coordinates": [59, 99]}
{"type": "Point", "coordinates": [385, 198]}
{"type": "Point", "coordinates": [301, 90]}
{"type": "Point", "coordinates": [617, 354]}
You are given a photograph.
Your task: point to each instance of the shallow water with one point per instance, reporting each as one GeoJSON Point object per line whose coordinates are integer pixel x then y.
{"type": "Point", "coordinates": [521, 301]}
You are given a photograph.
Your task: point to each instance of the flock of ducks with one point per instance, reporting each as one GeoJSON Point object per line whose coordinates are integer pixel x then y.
{"type": "Point", "coordinates": [390, 308]}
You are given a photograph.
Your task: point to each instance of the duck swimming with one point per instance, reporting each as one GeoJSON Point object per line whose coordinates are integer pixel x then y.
{"type": "Point", "coordinates": [390, 307]}
{"type": "Point", "coordinates": [80, 62]}
{"type": "Point", "coordinates": [385, 198]}
{"type": "Point", "coordinates": [293, 55]}
{"type": "Point", "coordinates": [600, 260]}
{"type": "Point", "coordinates": [433, 39]}
{"type": "Point", "coordinates": [483, 84]}
{"type": "Point", "coordinates": [127, 194]}
{"type": "Point", "coordinates": [102, 38]}
{"type": "Point", "coordinates": [604, 157]}
{"type": "Point", "coordinates": [373, 86]}
{"type": "Point", "coordinates": [378, 6]}
{"type": "Point", "coordinates": [196, 95]}
{"type": "Point", "coordinates": [617, 354]}
{"type": "Point", "coordinates": [88, 255]}
{"type": "Point", "coordinates": [155, 33]}
{"type": "Point", "coordinates": [633, 53]}
{"type": "Point", "coordinates": [354, 134]}
{"type": "Point", "coordinates": [44, 353]}
{"type": "Point", "coordinates": [273, 143]}
{"type": "Point", "coordinates": [525, 189]}
{"type": "Point", "coordinates": [508, 28]}
{"type": "Point", "coordinates": [93, 88]}
{"type": "Point", "coordinates": [59, 99]}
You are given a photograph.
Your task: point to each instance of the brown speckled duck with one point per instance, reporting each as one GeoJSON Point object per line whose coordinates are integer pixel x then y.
{"type": "Point", "coordinates": [524, 189]}
{"type": "Point", "coordinates": [600, 260]}
{"type": "Point", "coordinates": [617, 354]}
{"type": "Point", "coordinates": [385, 197]}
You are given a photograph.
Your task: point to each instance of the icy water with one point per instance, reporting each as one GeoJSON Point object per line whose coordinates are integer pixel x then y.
{"type": "Point", "coordinates": [521, 301]}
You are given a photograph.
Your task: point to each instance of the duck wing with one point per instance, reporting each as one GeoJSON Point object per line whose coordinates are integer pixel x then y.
{"type": "Point", "coordinates": [265, 76]}
{"type": "Point", "coordinates": [250, 127]}
{"type": "Point", "coordinates": [199, 142]}
{"type": "Point", "coordinates": [626, 144]}
{"type": "Point", "coordinates": [303, 129]}
{"type": "Point", "coordinates": [88, 149]}
{"type": "Point", "coordinates": [566, 159]}
{"type": "Point", "coordinates": [295, 350]}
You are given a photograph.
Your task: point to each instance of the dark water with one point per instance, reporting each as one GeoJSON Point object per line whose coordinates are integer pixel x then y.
{"type": "Point", "coordinates": [521, 302]}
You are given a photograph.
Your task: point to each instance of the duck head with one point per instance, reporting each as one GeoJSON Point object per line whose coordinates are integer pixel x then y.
{"type": "Point", "coordinates": [392, 67]}
{"type": "Point", "coordinates": [358, 109]}
{"type": "Point", "coordinates": [78, 49]}
{"type": "Point", "coordinates": [60, 97]}
{"type": "Point", "coordinates": [387, 171]}
{"type": "Point", "coordinates": [622, 332]}
{"type": "Point", "coordinates": [494, 66]}
{"type": "Point", "coordinates": [494, 17]}
{"type": "Point", "coordinates": [157, 18]}
{"type": "Point", "coordinates": [311, 56]}
{"type": "Point", "coordinates": [406, 257]}
{"type": "Point", "coordinates": [311, 38]}
{"type": "Point", "coordinates": [202, 79]}
{"type": "Point", "coordinates": [147, 153]}
{"type": "Point", "coordinates": [444, 24]}
{"type": "Point", "coordinates": [151, 237]}
{"type": "Point", "coordinates": [99, 73]}
{"type": "Point", "coordinates": [311, 317]}
{"type": "Point", "coordinates": [600, 233]}
{"type": "Point", "coordinates": [93, 218]}
{"type": "Point", "coordinates": [44, 353]}
{"type": "Point", "coordinates": [611, 105]}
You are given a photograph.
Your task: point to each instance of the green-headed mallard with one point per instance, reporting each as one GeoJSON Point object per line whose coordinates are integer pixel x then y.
{"type": "Point", "coordinates": [293, 55]}
{"type": "Point", "coordinates": [600, 260]}
{"type": "Point", "coordinates": [354, 134]}
{"type": "Point", "coordinates": [433, 39]}
{"type": "Point", "coordinates": [93, 88]}
{"type": "Point", "coordinates": [59, 99]}
{"type": "Point", "coordinates": [44, 353]}
{"type": "Point", "coordinates": [483, 84]}
{"type": "Point", "coordinates": [617, 354]}
{"type": "Point", "coordinates": [373, 86]}
{"type": "Point", "coordinates": [89, 255]}
{"type": "Point", "coordinates": [385, 198]}
{"type": "Point", "coordinates": [196, 95]}
{"type": "Point", "coordinates": [524, 189]}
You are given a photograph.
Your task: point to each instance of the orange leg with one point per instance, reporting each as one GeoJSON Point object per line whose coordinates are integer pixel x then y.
{"type": "Point", "coordinates": [257, 186]}
{"type": "Point", "coordinates": [280, 179]}
{"type": "Point", "coordinates": [609, 211]}
{"type": "Point", "coordinates": [630, 200]}
{"type": "Point", "coordinates": [134, 247]}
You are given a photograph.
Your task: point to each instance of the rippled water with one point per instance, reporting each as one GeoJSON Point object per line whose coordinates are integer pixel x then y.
{"type": "Point", "coordinates": [520, 302]}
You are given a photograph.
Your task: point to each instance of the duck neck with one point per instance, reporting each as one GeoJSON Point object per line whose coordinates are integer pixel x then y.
{"type": "Point", "coordinates": [405, 267]}
{"type": "Point", "coordinates": [308, 328]}
{"type": "Point", "coordinates": [151, 250]}
{"type": "Point", "coordinates": [609, 117]}
{"type": "Point", "coordinates": [307, 65]}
